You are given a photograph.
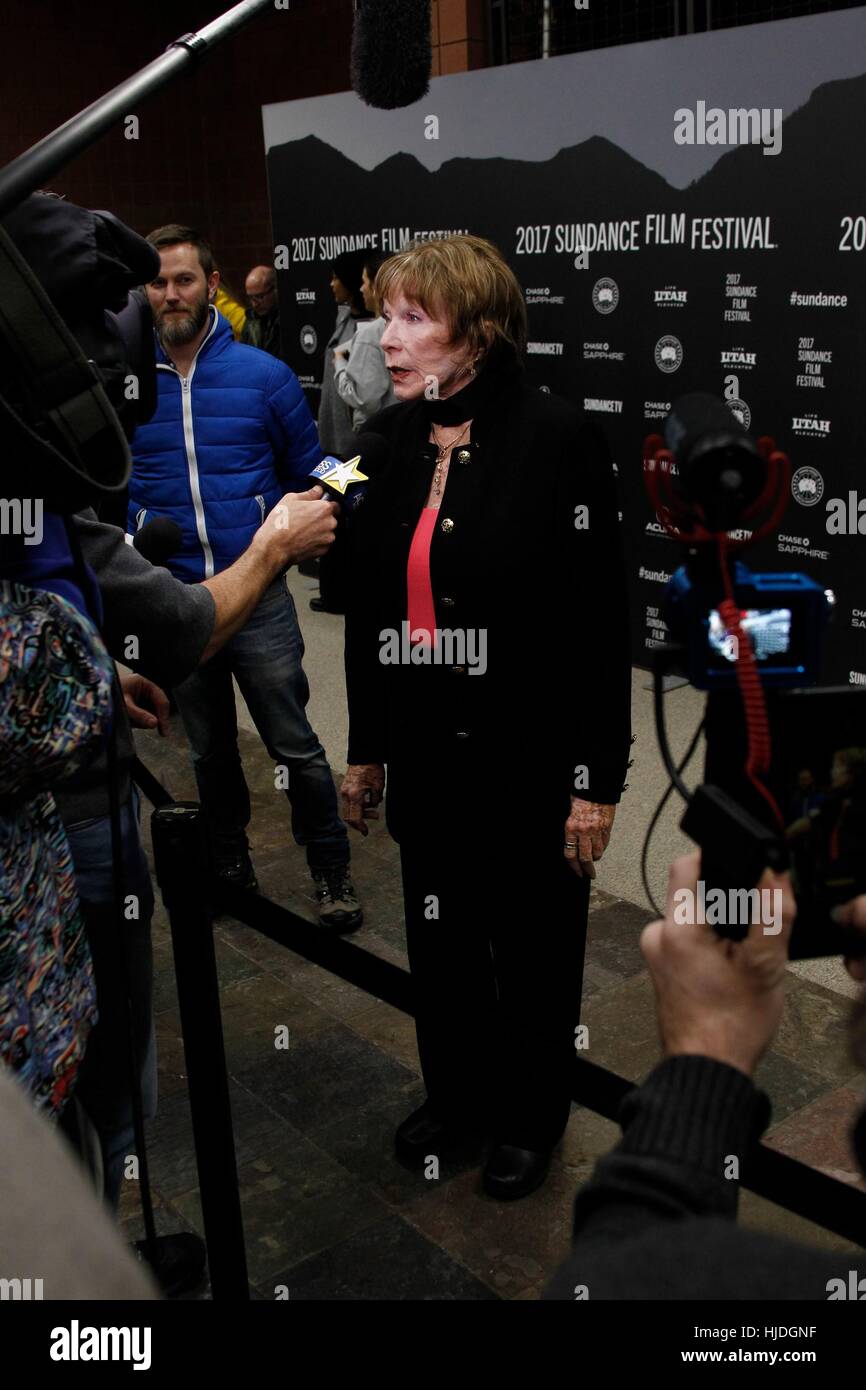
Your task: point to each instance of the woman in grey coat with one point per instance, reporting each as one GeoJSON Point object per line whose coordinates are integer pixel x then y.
{"type": "Point", "coordinates": [336, 431]}
{"type": "Point", "coordinates": [335, 425]}
{"type": "Point", "coordinates": [363, 381]}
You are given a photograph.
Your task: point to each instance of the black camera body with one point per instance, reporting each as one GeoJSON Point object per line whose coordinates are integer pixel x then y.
{"type": "Point", "coordinates": [77, 355]}
{"type": "Point", "coordinates": [785, 769]}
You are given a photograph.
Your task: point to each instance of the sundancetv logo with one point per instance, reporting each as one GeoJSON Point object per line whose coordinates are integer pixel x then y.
{"type": "Point", "coordinates": [77, 1343]}
{"type": "Point", "coordinates": [545, 349]}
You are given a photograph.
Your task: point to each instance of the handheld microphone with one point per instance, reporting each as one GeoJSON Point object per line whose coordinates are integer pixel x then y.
{"type": "Point", "coordinates": [158, 540]}
{"type": "Point", "coordinates": [391, 52]}
{"type": "Point", "coordinates": [346, 482]}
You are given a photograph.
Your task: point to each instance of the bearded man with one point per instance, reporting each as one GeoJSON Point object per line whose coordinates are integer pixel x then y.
{"type": "Point", "coordinates": [232, 433]}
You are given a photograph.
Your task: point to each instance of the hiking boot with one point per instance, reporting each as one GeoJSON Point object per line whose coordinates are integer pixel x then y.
{"type": "Point", "coordinates": [338, 904]}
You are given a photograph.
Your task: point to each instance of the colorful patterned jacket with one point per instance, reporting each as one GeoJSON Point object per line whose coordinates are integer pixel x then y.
{"type": "Point", "coordinates": [55, 705]}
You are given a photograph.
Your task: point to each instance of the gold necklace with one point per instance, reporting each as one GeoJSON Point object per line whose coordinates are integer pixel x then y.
{"type": "Point", "coordinates": [441, 451]}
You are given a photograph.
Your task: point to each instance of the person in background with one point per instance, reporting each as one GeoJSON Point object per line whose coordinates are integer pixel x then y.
{"type": "Point", "coordinates": [808, 796]}
{"type": "Point", "coordinates": [55, 711]}
{"type": "Point", "coordinates": [228, 306]}
{"type": "Point", "coordinates": [50, 1217]}
{"type": "Point", "coordinates": [336, 430]}
{"type": "Point", "coordinates": [657, 1220]}
{"type": "Point", "coordinates": [262, 327]}
{"type": "Point", "coordinates": [232, 432]}
{"type": "Point", "coordinates": [362, 379]}
{"type": "Point", "coordinates": [335, 424]}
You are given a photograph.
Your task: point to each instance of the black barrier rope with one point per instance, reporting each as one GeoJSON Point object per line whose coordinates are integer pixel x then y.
{"type": "Point", "coordinates": [786, 1181]}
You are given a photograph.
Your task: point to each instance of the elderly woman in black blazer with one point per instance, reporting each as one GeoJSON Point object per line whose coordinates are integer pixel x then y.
{"type": "Point", "coordinates": [488, 669]}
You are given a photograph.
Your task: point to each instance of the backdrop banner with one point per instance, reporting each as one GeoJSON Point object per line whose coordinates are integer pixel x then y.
{"type": "Point", "coordinates": [683, 215]}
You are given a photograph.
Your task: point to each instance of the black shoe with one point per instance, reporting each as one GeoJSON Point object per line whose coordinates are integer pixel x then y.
{"type": "Point", "coordinates": [339, 908]}
{"type": "Point", "coordinates": [309, 569]}
{"type": "Point", "coordinates": [511, 1172]}
{"type": "Point", "coordinates": [238, 873]}
{"type": "Point", "coordinates": [318, 605]}
{"type": "Point", "coordinates": [421, 1134]}
{"type": "Point", "coordinates": [176, 1262]}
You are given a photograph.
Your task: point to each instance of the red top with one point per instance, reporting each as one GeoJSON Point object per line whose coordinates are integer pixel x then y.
{"type": "Point", "coordinates": [422, 613]}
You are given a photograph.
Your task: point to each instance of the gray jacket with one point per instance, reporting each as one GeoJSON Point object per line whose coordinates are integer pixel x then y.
{"type": "Point", "coordinates": [364, 382]}
{"type": "Point", "coordinates": [336, 432]}
{"type": "Point", "coordinates": [155, 624]}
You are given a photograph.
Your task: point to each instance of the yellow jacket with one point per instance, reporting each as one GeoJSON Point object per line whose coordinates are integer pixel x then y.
{"type": "Point", "coordinates": [230, 309]}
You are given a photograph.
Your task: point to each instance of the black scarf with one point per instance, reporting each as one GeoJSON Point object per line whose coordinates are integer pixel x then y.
{"type": "Point", "coordinates": [483, 393]}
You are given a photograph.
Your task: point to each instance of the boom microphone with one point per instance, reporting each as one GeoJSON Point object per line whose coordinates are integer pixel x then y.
{"type": "Point", "coordinates": [158, 540]}
{"type": "Point", "coordinates": [391, 52]}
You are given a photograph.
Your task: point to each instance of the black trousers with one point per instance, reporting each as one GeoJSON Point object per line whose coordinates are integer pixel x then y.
{"type": "Point", "coordinates": [496, 940]}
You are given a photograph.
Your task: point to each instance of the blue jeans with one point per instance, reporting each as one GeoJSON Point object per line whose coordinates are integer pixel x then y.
{"type": "Point", "coordinates": [103, 1085]}
{"type": "Point", "coordinates": [265, 658]}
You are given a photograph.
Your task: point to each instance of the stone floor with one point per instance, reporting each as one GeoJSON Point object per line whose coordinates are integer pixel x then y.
{"type": "Point", "coordinates": [328, 1211]}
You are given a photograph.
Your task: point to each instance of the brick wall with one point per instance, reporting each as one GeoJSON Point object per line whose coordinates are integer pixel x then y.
{"type": "Point", "coordinates": [199, 157]}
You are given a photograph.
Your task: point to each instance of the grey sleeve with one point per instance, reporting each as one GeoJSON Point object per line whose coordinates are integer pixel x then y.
{"type": "Point", "coordinates": [153, 622]}
{"type": "Point", "coordinates": [53, 1230]}
{"type": "Point", "coordinates": [364, 382]}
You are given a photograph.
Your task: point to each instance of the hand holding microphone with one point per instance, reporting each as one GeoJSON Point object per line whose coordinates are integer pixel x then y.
{"type": "Point", "coordinates": [300, 527]}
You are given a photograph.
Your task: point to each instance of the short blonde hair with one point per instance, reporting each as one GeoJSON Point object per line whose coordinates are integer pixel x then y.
{"type": "Point", "coordinates": [466, 281]}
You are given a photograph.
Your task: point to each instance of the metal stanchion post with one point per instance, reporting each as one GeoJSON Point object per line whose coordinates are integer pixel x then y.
{"type": "Point", "coordinates": [183, 874]}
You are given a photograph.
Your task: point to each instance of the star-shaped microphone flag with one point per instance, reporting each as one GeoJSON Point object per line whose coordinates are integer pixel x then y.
{"type": "Point", "coordinates": [334, 474]}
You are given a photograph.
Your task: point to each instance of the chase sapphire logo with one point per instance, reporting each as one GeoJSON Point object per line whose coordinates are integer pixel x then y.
{"type": "Point", "coordinates": [309, 338]}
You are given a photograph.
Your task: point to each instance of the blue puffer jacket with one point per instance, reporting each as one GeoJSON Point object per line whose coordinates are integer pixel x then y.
{"type": "Point", "coordinates": [222, 448]}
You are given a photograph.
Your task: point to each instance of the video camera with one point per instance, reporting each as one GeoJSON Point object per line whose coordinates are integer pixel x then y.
{"type": "Point", "coordinates": [785, 769]}
{"type": "Point", "coordinates": [77, 363]}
